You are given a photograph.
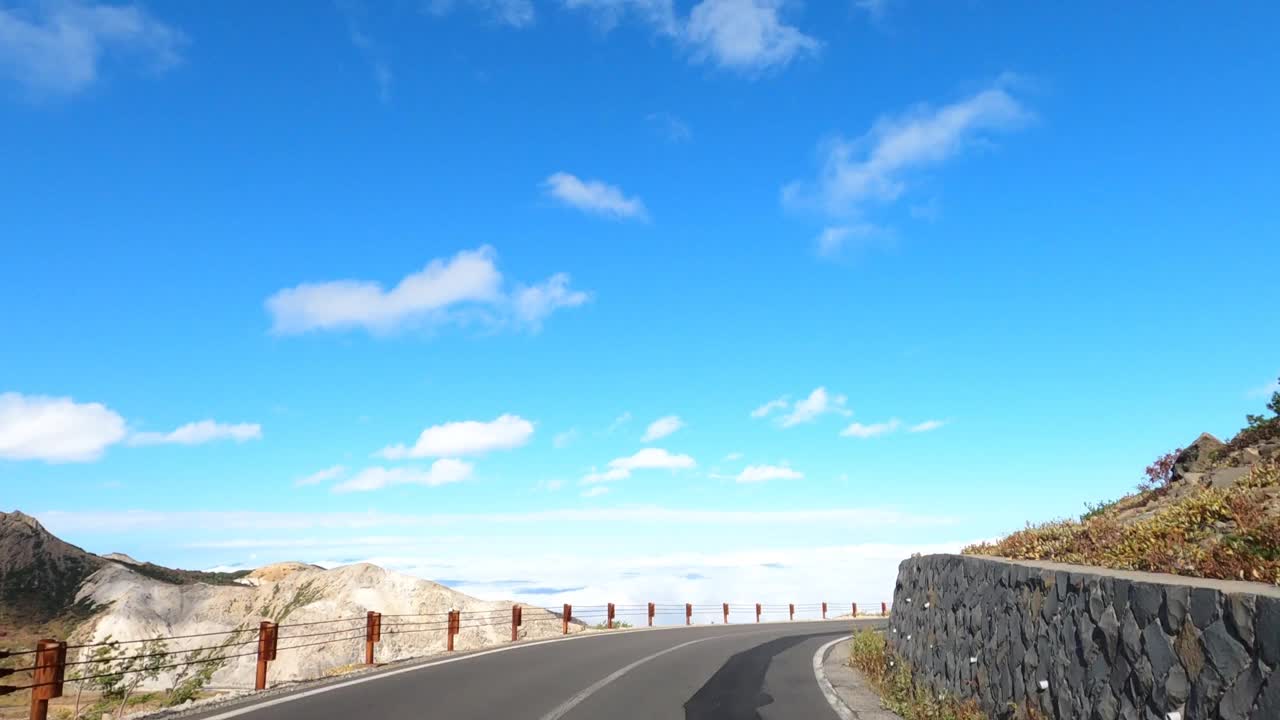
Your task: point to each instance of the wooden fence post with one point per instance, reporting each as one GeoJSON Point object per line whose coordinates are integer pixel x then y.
{"type": "Point", "coordinates": [568, 612]}
{"type": "Point", "coordinates": [855, 609]}
{"type": "Point", "coordinates": [267, 632]}
{"type": "Point", "coordinates": [791, 609]}
{"type": "Point", "coordinates": [824, 611]}
{"type": "Point", "coordinates": [455, 626]}
{"type": "Point", "coordinates": [688, 613]}
{"type": "Point", "coordinates": [884, 608]}
{"type": "Point", "coordinates": [757, 612]}
{"type": "Point", "coordinates": [51, 665]}
{"type": "Point", "coordinates": [372, 634]}
{"type": "Point", "coordinates": [517, 619]}
{"type": "Point", "coordinates": [652, 608]}
{"type": "Point", "coordinates": [609, 621]}
{"type": "Point", "coordinates": [725, 607]}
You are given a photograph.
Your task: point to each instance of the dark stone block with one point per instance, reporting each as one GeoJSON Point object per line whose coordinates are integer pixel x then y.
{"type": "Point", "coordinates": [1269, 699]}
{"type": "Point", "coordinates": [1130, 637]}
{"type": "Point", "coordinates": [1120, 595]}
{"type": "Point", "coordinates": [1096, 604]}
{"type": "Point", "coordinates": [1176, 600]}
{"type": "Point", "coordinates": [1176, 686]}
{"type": "Point", "coordinates": [1205, 692]}
{"type": "Point", "coordinates": [1238, 699]}
{"type": "Point", "coordinates": [1240, 610]}
{"type": "Point", "coordinates": [1105, 706]}
{"type": "Point", "coordinates": [1204, 606]}
{"type": "Point", "coordinates": [1267, 630]}
{"type": "Point", "coordinates": [1145, 599]}
{"type": "Point", "coordinates": [1224, 653]}
{"type": "Point", "coordinates": [1106, 634]}
{"type": "Point", "coordinates": [1158, 650]}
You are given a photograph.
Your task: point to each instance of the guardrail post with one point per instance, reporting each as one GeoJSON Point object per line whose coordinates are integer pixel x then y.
{"type": "Point", "coordinates": [455, 625]}
{"type": "Point", "coordinates": [651, 610]}
{"type": "Point", "coordinates": [267, 632]}
{"type": "Point", "coordinates": [824, 611]}
{"type": "Point", "coordinates": [688, 613]}
{"type": "Point", "coordinates": [51, 666]}
{"type": "Point", "coordinates": [725, 607]}
{"type": "Point", "coordinates": [884, 608]}
{"type": "Point", "coordinates": [757, 612]}
{"type": "Point", "coordinates": [791, 609]}
{"type": "Point", "coordinates": [855, 609]}
{"type": "Point", "coordinates": [517, 619]}
{"type": "Point", "coordinates": [568, 612]}
{"type": "Point", "coordinates": [609, 622]}
{"type": "Point", "coordinates": [372, 634]}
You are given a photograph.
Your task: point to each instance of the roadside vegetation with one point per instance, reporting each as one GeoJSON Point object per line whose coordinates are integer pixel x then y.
{"type": "Point", "coordinates": [869, 654]}
{"type": "Point", "coordinates": [617, 625]}
{"type": "Point", "coordinates": [1230, 532]}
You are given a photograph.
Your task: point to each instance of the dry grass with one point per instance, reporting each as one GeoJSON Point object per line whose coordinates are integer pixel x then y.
{"type": "Point", "coordinates": [869, 653]}
{"type": "Point", "coordinates": [1227, 533]}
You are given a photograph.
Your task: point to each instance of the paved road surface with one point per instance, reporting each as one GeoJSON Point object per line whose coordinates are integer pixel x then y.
{"type": "Point", "coordinates": [721, 672]}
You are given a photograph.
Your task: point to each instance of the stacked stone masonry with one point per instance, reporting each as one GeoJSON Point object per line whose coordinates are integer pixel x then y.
{"type": "Point", "coordinates": [1072, 642]}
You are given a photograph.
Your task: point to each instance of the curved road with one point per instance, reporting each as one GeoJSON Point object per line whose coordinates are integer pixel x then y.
{"type": "Point", "coordinates": [725, 672]}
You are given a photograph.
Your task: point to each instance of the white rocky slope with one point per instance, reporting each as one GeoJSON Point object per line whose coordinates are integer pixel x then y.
{"type": "Point", "coordinates": [137, 607]}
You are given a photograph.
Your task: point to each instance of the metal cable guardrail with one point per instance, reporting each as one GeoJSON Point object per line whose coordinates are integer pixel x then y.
{"type": "Point", "coordinates": [48, 673]}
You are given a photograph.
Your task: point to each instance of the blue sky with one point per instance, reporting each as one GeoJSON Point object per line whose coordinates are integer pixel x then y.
{"type": "Point", "coordinates": [412, 282]}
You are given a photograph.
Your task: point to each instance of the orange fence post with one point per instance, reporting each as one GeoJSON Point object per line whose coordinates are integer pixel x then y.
{"type": "Point", "coordinates": [792, 610]}
{"type": "Point", "coordinates": [609, 622]}
{"type": "Point", "coordinates": [517, 619]}
{"type": "Point", "coordinates": [568, 612]}
{"type": "Point", "coordinates": [725, 607]}
{"type": "Point", "coordinates": [688, 613]}
{"type": "Point", "coordinates": [455, 625]}
{"type": "Point", "coordinates": [884, 608]}
{"type": "Point", "coordinates": [651, 609]}
{"type": "Point", "coordinates": [372, 634]}
{"type": "Point", "coordinates": [267, 632]}
{"type": "Point", "coordinates": [51, 665]}
{"type": "Point", "coordinates": [824, 611]}
{"type": "Point", "coordinates": [757, 612]}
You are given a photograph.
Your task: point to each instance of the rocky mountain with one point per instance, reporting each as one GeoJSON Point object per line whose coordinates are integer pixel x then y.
{"type": "Point", "coordinates": [54, 586]}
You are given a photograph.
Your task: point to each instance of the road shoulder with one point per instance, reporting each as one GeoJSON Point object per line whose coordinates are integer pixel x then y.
{"type": "Point", "coordinates": [850, 695]}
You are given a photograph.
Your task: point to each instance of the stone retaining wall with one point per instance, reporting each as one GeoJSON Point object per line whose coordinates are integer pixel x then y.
{"type": "Point", "coordinates": [1088, 643]}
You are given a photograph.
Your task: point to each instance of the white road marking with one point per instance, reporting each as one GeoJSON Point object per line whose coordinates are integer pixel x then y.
{"type": "Point", "coordinates": [573, 702]}
{"type": "Point", "coordinates": [820, 674]}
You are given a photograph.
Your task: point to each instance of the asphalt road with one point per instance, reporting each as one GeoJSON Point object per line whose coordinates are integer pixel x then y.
{"type": "Point", "coordinates": [725, 672]}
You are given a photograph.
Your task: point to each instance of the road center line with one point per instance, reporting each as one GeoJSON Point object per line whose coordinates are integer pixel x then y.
{"type": "Point", "coordinates": [573, 702]}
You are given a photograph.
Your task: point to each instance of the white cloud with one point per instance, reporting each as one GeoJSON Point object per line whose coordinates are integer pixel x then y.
{"type": "Point", "coordinates": [619, 421]}
{"type": "Point", "coordinates": [565, 439]}
{"type": "Point", "coordinates": [733, 456]}
{"type": "Point", "coordinates": [764, 473]}
{"type": "Point", "coordinates": [819, 402]}
{"type": "Point", "coordinates": [927, 425]}
{"type": "Point", "coordinates": [535, 303]}
{"type": "Point", "coordinates": [56, 429]}
{"type": "Point", "coordinates": [594, 196]}
{"type": "Point", "coordinates": [322, 476]}
{"type": "Point", "coordinates": [647, 459]}
{"type": "Point", "coordinates": [859, 430]}
{"type": "Point", "coordinates": [833, 240]}
{"type": "Point", "coordinates": [660, 13]}
{"type": "Point", "coordinates": [745, 34]}
{"type": "Point", "coordinates": [441, 472]}
{"type": "Point", "coordinates": [1265, 391]}
{"type": "Point", "coordinates": [56, 47]}
{"type": "Point", "coordinates": [550, 485]}
{"type": "Point", "coordinates": [111, 521]}
{"type": "Point", "coordinates": [596, 491]}
{"type": "Point", "coordinates": [515, 13]}
{"type": "Point", "coordinates": [662, 427]}
{"type": "Point", "coordinates": [199, 433]}
{"type": "Point", "coordinates": [672, 128]}
{"type": "Point", "coordinates": [438, 293]}
{"type": "Point", "coordinates": [468, 437]}
{"type": "Point", "coordinates": [766, 409]}
{"type": "Point", "coordinates": [872, 168]}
